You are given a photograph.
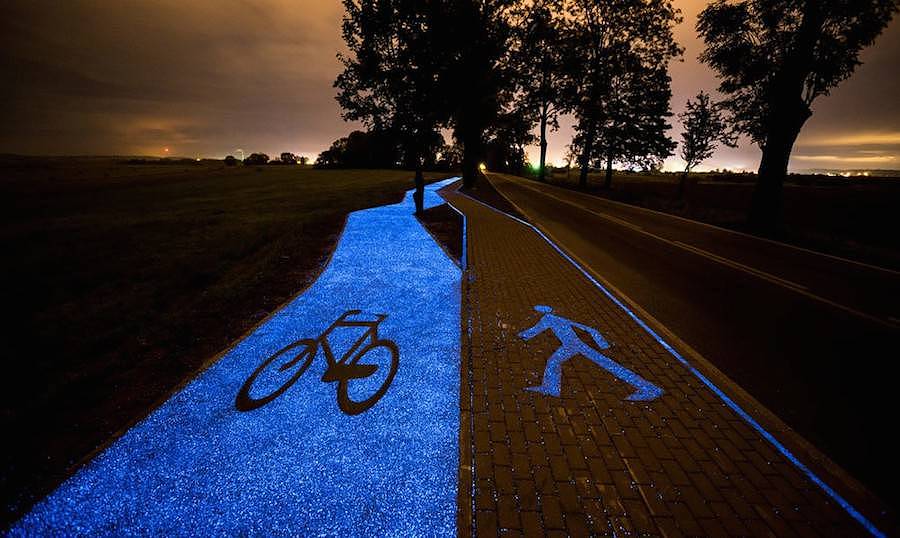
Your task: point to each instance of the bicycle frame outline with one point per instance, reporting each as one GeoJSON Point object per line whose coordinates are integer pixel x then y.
{"type": "Point", "coordinates": [322, 339]}
{"type": "Point", "coordinates": [341, 370]}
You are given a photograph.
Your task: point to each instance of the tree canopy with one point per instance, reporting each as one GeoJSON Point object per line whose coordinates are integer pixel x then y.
{"type": "Point", "coordinates": [773, 59]}
{"type": "Point", "coordinates": [477, 35]}
{"type": "Point", "coordinates": [539, 54]}
{"type": "Point", "coordinates": [762, 48]}
{"type": "Point", "coordinates": [705, 126]}
{"type": "Point", "coordinates": [392, 79]}
{"type": "Point", "coordinates": [620, 96]}
{"type": "Point", "coordinates": [375, 149]}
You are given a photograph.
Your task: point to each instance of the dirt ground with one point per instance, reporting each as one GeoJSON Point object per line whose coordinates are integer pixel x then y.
{"type": "Point", "coordinates": [446, 227]}
{"type": "Point", "coordinates": [121, 280]}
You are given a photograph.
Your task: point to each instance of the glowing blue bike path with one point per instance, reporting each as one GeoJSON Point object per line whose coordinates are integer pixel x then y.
{"type": "Point", "coordinates": [298, 465]}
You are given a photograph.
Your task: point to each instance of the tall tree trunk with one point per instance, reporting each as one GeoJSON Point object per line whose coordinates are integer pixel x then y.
{"type": "Point", "coordinates": [544, 114]}
{"type": "Point", "coordinates": [766, 207]}
{"type": "Point", "coordinates": [586, 155]}
{"type": "Point", "coordinates": [682, 183]}
{"type": "Point", "coordinates": [469, 170]}
{"type": "Point", "coordinates": [419, 195]}
{"type": "Point", "coordinates": [607, 184]}
{"type": "Point", "coordinates": [472, 154]}
{"type": "Point", "coordinates": [788, 114]}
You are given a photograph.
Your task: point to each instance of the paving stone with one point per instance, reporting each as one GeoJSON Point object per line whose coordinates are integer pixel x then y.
{"type": "Point", "coordinates": [590, 462]}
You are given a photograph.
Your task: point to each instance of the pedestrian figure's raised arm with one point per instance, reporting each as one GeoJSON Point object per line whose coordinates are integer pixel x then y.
{"type": "Point", "coordinates": [595, 334]}
{"type": "Point", "coordinates": [539, 327]}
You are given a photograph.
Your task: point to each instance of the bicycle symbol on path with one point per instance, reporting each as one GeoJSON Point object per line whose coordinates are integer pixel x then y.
{"type": "Point", "coordinates": [290, 362]}
{"type": "Point", "coordinates": [571, 345]}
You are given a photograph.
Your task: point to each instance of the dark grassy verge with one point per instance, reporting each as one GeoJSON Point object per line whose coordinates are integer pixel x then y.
{"type": "Point", "coordinates": [120, 281]}
{"type": "Point", "coordinates": [848, 217]}
{"type": "Point", "coordinates": [446, 227]}
{"type": "Point", "coordinates": [484, 191]}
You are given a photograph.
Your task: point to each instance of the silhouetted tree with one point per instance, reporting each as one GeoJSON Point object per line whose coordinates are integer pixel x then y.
{"type": "Point", "coordinates": [450, 157]}
{"type": "Point", "coordinates": [570, 157]}
{"type": "Point", "coordinates": [621, 95]}
{"type": "Point", "coordinates": [326, 159]}
{"type": "Point", "coordinates": [392, 76]}
{"type": "Point", "coordinates": [704, 128]}
{"type": "Point", "coordinates": [303, 160]}
{"type": "Point", "coordinates": [634, 133]}
{"type": "Point", "coordinates": [231, 161]}
{"type": "Point", "coordinates": [256, 159]}
{"type": "Point", "coordinates": [507, 140]}
{"type": "Point", "coordinates": [475, 38]}
{"type": "Point", "coordinates": [288, 158]}
{"type": "Point", "coordinates": [774, 58]}
{"type": "Point", "coordinates": [360, 149]}
{"type": "Point", "coordinates": [539, 65]}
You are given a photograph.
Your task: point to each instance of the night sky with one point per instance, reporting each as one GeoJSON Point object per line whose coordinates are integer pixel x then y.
{"type": "Point", "coordinates": [203, 78]}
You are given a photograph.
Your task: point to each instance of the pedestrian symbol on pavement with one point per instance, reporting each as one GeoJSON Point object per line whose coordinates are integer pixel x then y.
{"type": "Point", "coordinates": [571, 345]}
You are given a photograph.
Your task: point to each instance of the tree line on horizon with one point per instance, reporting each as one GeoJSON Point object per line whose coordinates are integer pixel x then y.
{"type": "Point", "coordinates": [495, 71]}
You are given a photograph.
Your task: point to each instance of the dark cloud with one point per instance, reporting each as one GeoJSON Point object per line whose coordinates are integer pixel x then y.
{"type": "Point", "coordinates": [198, 77]}
{"type": "Point", "coordinates": [206, 77]}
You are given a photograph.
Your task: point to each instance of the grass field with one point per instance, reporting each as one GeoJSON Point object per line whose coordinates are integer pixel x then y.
{"type": "Point", "coordinates": [848, 217]}
{"type": "Point", "coordinates": [119, 281]}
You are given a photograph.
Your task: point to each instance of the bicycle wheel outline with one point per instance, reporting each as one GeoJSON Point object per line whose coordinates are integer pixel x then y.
{"type": "Point", "coordinates": [244, 402]}
{"type": "Point", "coordinates": [352, 407]}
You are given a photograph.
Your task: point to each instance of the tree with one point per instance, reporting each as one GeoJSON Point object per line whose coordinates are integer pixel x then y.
{"type": "Point", "coordinates": [634, 133]}
{"type": "Point", "coordinates": [475, 38]}
{"type": "Point", "coordinates": [620, 98]}
{"type": "Point", "coordinates": [256, 159]}
{"type": "Point", "coordinates": [570, 157]}
{"type": "Point", "coordinates": [507, 140]}
{"type": "Point", "coordinates": [359, 149]}
{"type": "Point", "coordinates": [392, 78]}
{"type": "Point", "coordinates": [538, 55]}
{"type": "Point", "coordinates": [704, 128]}
{"type": "Point", "coordinates": [450, 157]}
{"type": "Point", "coordinates": [231, 161]}
{"type": "Point", "coordinates": [774, 58]}
{"type": "Point", "coordinates": [288, 158]}
{"type": "Point", "coordinates": [303, 160]}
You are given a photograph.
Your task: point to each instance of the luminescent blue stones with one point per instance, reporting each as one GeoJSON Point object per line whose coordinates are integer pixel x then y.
{"type": "Point", "coordinates": [299, 465]}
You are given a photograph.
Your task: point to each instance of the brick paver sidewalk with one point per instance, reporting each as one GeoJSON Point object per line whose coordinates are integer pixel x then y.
{"type": "Point", "coordinates": [591, 462]}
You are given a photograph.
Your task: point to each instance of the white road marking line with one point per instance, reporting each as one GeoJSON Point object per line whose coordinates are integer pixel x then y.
{"type": "Point", "coordinates": [696, 250]}
{"type": "Point", "coordinates": [727, 230]}
{"type": "Point", "coordinates": [787, 284]}
{"type": "Point", "coordinates": [733, 405]}
{"type": "Point", "coordinates": [746, 268]}
{"type": "Point", "coordinates": [617, 220]}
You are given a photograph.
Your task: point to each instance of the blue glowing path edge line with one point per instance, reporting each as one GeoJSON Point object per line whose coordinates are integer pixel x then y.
{"type": "Point", "coordinates": [462, 260]}
{"type": "Point", "coordinates": [464, 266]}
{"type": "Point", "coordinates": [844, 503]}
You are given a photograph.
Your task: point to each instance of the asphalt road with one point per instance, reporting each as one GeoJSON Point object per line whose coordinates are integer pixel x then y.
{"type": "Point", "coordinates": [812, 337]}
